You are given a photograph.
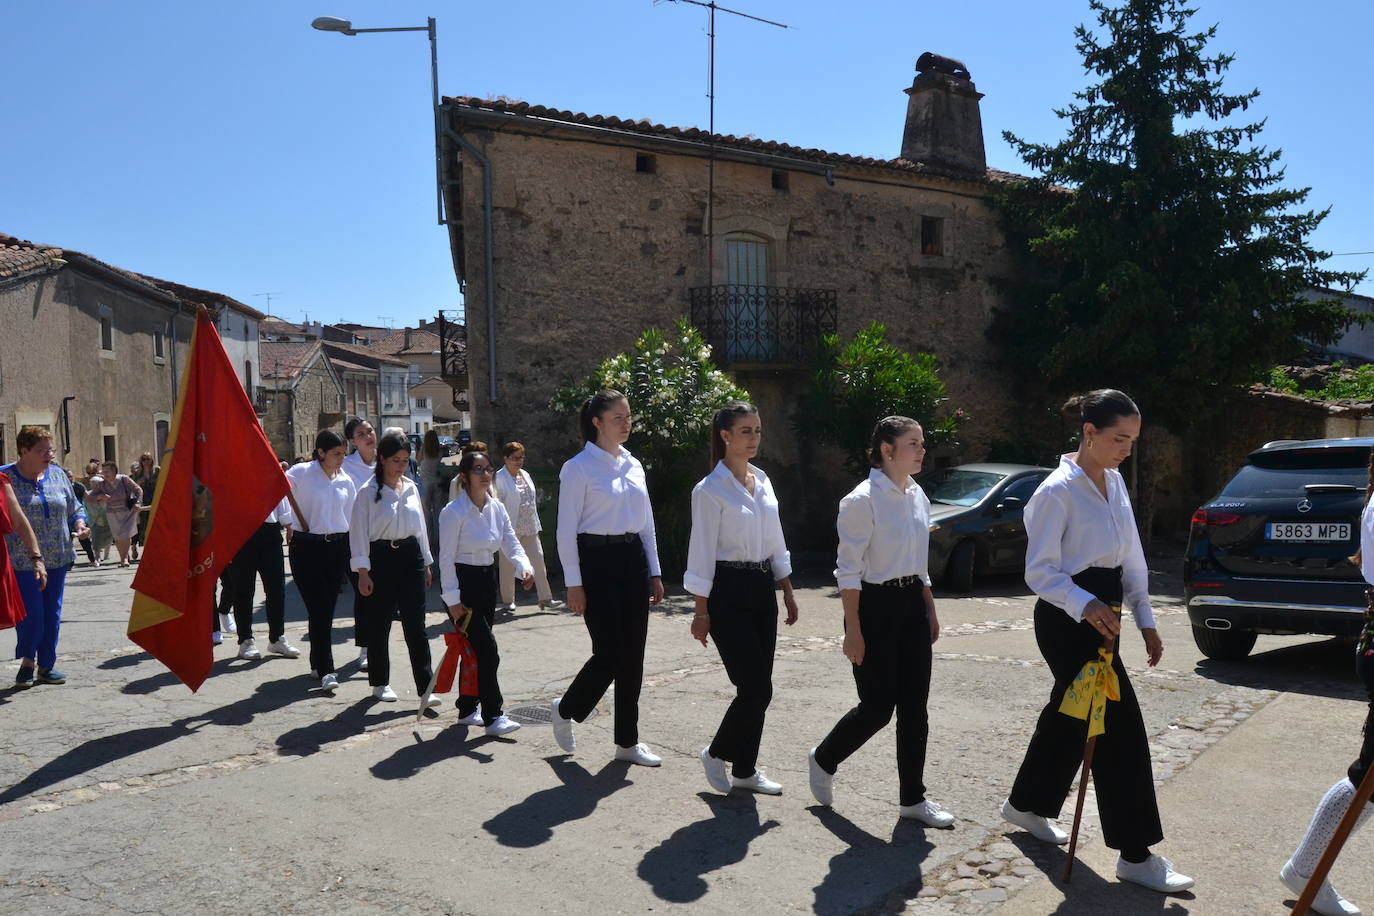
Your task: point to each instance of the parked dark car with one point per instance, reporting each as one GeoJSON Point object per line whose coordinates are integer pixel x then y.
{"type": "Point", "coordinates": [1270, 553]}
{"type": "Point", "coordinates": [976, 525]}
{"type": "Point", "coordinates": [449, 446]}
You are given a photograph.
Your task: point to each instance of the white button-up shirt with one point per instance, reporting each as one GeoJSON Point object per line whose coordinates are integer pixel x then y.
{"type": "Point", "coordinates": [396, 516]}
{"type": "Point", "coordinates": [280, 514]}
{"type": "Point", "coordinates": [601, 493]}
{"type": "Point", "coordinates": [325, 502]}
{"type": "Point", "coordinates": [1367, 543]}
{"type": "Point", "coordinates": [731, 524]}
{"type": "Point", "coordinates": [884, 532]}
{"type": "Point", "coordinates": [1069, 527]}
{"type": "Point", "coordinates": [359, 472]}
{"type": "Point", "coordinates": [472, 536]}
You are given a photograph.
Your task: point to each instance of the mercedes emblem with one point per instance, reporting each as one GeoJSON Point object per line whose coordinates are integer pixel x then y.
{"type": "Point", "coordinates": [1304, 505]}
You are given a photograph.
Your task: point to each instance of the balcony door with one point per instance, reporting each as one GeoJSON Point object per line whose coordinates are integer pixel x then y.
{"type": "Point", "coordinates": [750, 329]}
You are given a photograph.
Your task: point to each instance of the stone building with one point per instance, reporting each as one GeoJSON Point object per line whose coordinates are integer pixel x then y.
{"type": "Point", "coordinates": [302, 394]}
{"type": "Point", "coordinates": [572, 233]}
{"type": "Point", "coordinates": [375, 386]}
{"type": "Point", "coordinates": [90, 351]}
{"type": "Point", "coordinates": [238, 326]}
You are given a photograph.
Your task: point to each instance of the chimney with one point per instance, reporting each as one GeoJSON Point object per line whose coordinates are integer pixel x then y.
{"type": "Point", "coordinates": [407, 346]}
{"type": "Point", "coordinates": [943, 125]}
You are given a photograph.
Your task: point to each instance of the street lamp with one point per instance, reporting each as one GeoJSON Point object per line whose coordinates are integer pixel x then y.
{"type": "Point", "coordinates": [344, 26]}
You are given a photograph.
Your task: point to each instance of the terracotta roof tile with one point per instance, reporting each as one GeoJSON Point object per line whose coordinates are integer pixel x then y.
{"type": "Point", "coordinates": [285, 358]}
{"type": "Point", "coordinates": [18, 257]}
{"type": "Point", "coordinates": [519, 109]}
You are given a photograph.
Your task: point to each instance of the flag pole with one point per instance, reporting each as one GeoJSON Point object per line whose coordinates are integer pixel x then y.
{"type": "Point", "coordinates": [1108, 644]}
{"type": "Point", "coordinates": [1333, 849]}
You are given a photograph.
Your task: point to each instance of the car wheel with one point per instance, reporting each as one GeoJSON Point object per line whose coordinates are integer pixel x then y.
{"type": "Point", "coordinates": [959, 569]}
{"type": "Point", "coordinates": [1223, 645]}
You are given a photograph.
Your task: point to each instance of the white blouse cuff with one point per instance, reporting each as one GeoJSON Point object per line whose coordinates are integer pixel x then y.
{"type": "Point", "coordinates": [697, 585]}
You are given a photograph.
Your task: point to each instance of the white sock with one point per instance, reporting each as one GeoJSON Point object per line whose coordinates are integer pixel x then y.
{"type": "Point", "coordinates": [1323, 827]}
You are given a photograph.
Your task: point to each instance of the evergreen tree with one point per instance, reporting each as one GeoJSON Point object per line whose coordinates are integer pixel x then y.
{"type": "Point", "coordinates": [1166, 258]}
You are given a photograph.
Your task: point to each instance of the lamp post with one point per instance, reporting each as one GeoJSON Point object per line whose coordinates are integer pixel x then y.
{"type": "Point", "coordinates": [344, 26]}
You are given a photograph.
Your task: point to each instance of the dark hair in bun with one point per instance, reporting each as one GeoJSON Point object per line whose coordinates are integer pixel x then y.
{"type": "Point", "coordinates": [1101, 408]}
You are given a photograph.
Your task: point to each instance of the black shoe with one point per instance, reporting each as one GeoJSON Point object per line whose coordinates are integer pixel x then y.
{"type": "Point", "coordinates": [24, 679]}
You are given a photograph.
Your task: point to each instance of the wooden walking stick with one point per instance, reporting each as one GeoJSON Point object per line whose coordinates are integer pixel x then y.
{"type": "Point", "coordinates": [1105, 659]}
{"type": "Point", "coordinates": [1333, 849]}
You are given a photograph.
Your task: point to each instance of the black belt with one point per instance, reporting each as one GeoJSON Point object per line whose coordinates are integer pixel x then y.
{"type": "Point", "coordinates": [759, 566]}
{"type": "Point", "coordinates": [899, 582]}
{"type": "Point", "coordinates": [396, 545]}
{"type": "Point", "coordinates": [601, 540]}
{"type": "Point", "coordinates": [326, 538]}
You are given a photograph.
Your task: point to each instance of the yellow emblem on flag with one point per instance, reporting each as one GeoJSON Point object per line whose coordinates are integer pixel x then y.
{"type": "Point", "coordinates": [1092, 687]}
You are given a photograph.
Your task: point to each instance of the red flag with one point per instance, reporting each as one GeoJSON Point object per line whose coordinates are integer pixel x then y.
{"type": "Point", "coordinates": [458, 647]}
{"type": "Point", "coordinates": [220, 479]}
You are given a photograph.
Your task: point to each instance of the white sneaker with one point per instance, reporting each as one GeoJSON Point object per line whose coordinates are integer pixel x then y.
{"type": "Point", "coordinates": [552, 604]}
{"type": "Point", "coordinates": [284, 648]}
{"type": "Point", "coordinates": [384, 693]}
{"type": "Point", "coordinates": [716, 775]}
{"type": "Point", "coordinates": [227, 624]}
{"type": "Point", "coordinates": [928, 813]}
{"type": "Point", "coordinates": [1327, 902]}
{"type": "Point", "coordinates": [215, 638]}
{"type": "Point", "coordinates": [562, 728]}
{"type": "Point", "coordinates": [757, 783]}
{"type": "Point", "coordinates": [362, 659]}
{"type": "Point", "coordinates": [329, 682]}
{"type": "Point", "coordinates": [639, 754]}
{"type": "Point", "coordinates": [472, 718]}
{"type": "Point", "coordinates": [1037, 826]}
{"type": "Point", "coordinates": [433, 702]}
{"type": "Point", "coordinates": [249, 649]}
{"type": "Point", "coordinates": [502, 725]}
{"type": "Point", "coordinates": [822, 783]}
{"type": "Point", "coordinates": [1157, 873]}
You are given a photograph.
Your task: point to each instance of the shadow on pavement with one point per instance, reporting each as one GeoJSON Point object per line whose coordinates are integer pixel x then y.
{"type": "Point", "coordinates": [354, 720]}
{"type": "Point", "coordinates": [1090, 892]}
{"type": "Point", "coordinates": [849, 884]}
{"type": "Point", "coordinates": [1001, 585]}
{"type": "Point", "coordinates": [89, 755]}
{"type": "Point", "coordinates": [125, 661]}
{"type": "Point", "coordinates": [447, 745]}
{"type": "Point", "coordinates": [1325, 668]}
{"type": "Point", "coordinates": [531, 822]}
{"type": "Point", "coordinates": [675, 867]}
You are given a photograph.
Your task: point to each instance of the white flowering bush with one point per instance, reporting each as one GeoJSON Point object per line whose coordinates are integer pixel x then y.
{"type": "Point", "coordinates": [673, 389]}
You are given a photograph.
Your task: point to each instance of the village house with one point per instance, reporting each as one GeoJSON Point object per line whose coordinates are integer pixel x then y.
{"type": "Point", "coordinates": [94, 352]}
{"type": "Point", "coordinates": [375, 386]}
{"type": "Point", "coordinates": [573, 233]}
{"type": "Point", "coordinates": [302, 394]}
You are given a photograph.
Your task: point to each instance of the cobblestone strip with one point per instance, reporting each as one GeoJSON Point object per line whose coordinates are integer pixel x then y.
{"type": "Point", "coordinates": [986, 876]}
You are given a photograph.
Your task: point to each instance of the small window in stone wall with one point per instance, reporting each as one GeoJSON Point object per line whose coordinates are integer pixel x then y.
{"type": "Point", "coordinates": [646, 163]}
{"type": "Point", "coordinates": [109, 447]}
{"type": "Point", "coordinates": [158, 346]}
{"type": "Point", "coordinates": [779, 180]}
{"type": "Point", "coordinates": [106, 329]}
{"type": "Point", "coordinates": [932, 235]}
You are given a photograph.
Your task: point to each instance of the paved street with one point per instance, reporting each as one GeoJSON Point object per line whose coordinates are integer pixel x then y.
{"type": "Point", "coordinates": [122, 792]}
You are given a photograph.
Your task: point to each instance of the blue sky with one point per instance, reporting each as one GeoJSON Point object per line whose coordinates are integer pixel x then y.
{"type": "Point", "coordinates": [234, 148]}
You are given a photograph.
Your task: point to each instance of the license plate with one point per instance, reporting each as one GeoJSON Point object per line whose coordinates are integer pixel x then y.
{"type": "Point", "coordinates": [1307, 531]}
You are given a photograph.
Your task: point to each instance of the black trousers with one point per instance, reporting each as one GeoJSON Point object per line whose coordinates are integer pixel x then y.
{"type": "Point", "coordinates": [616, 579]}
{"type": "Point", "coordinates": [1122, 774]}
{"type": "Point", "coordinates": [318, 568]}
{"type": "Point", "coordinates": [398, 584]}
{"type": "Point", "coordinates": [362, 617]}
{"type": "Point", "coordinates": [259, 556]}
{"type": "Point", "coordinates": [479, 588]}
{"type": "Point", "coordinates": [1364, 667]}
{"type": "Point", "coordinates": [744, 626]}
{"type": "Point", "coordinates": [894, 676]}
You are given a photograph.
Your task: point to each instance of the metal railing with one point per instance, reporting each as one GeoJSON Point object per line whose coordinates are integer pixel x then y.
{"type": "Point", "coordinates": [763, 324]}
{"type": "Point", "coordinates": [453, 338]}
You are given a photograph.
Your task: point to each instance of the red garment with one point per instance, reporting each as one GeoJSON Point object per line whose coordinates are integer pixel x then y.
{"type": "Point", "coordinates": [11, 602]}
{"type": "Point", "coordinates": [458, 647]}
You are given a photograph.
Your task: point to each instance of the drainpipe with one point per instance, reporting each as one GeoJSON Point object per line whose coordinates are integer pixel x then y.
{"type": "Point", "coordinates": [488, 280]}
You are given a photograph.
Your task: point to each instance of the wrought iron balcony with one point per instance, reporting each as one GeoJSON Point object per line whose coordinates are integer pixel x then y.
{"type": "Point", "coordinates": [453, 348]}
{"type": "Point", "coordinates": [763, 324]}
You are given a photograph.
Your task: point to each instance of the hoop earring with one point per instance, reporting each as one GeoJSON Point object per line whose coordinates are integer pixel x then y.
{"type": "Point", "coordinates": [1090, 445]}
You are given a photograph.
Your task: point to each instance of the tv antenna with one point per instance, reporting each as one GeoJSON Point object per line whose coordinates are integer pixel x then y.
{"type": "Point", "coordinates": [711, 8]}
{"type": "Point", "coordinates": [268, 297]}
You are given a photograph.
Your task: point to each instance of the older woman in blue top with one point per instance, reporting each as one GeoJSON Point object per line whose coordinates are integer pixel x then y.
{"type": "Point", "coordinates": [45, 494]}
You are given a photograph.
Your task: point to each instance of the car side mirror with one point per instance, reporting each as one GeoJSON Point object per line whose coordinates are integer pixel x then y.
{"type": "Point", "coordinates": [1011, 504]}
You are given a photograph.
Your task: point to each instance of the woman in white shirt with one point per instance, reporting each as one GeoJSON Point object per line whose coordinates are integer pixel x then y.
{"type": "Point", "coordinates": [514, 487]}
{"type": "Point", "coordinates": [734, 556]}
{"type": "Point", "coordinates": [389, 541]}
{"type": "Point", "coordinates": [609, 553]}
{"type": "Point", "coordinates": [1297, 871]}
{"type": "Point", "coordinates": [318, 545]}
{"type": "Point", "coordinates": [889, 617]}
{"type": "Point", "coordinates": [472, 528]}
{"type": "Point", "coordinates": [1084, 560]}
